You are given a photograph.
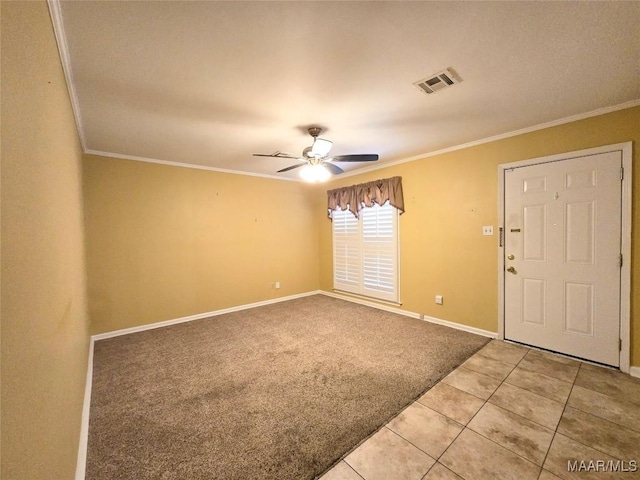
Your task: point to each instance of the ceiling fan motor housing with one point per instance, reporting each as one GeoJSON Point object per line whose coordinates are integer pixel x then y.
{"type": "Point", "coordinates": [314, 131]}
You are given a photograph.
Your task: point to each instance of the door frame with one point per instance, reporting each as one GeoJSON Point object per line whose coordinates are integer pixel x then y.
{"type": "Point", "coordinates": [626, 149]}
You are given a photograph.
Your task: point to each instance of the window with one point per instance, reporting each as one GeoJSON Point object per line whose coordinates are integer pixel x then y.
{"type": "Point", "coordinates": [365, 252]}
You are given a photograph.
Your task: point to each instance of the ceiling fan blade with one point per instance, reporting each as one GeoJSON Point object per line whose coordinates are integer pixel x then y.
{"type": "Point", "coordinates": [335, 169]}
{"type": "Point", "coordinates": [292, 167]}
{"type": "Point", "coordinates": [365, 157]}
{"type": "Point", "coordinates": [275, 155]}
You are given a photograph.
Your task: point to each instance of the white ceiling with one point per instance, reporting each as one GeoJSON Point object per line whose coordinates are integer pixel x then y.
{"type": "Point", "coordinates": [210, 83]}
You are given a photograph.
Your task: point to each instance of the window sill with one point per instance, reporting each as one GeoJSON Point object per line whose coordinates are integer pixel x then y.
{"type": "Point", "coordinates": [366, 297]}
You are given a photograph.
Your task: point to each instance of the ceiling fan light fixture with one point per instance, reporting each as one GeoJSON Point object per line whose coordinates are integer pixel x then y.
{"type": "Point", "coordinates": [315, 173]}
{"type": "Point", "coordinates": [321, 147]}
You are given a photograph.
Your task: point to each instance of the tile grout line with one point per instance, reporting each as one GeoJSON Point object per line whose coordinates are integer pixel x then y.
{"type": "Point", "coordinates": [564, 408]}
{"type": "Point", "coordinates": [595, 414]}
{"type": "Point", "coordinates": [354, 470]}
{"type": "Point", "coordinates": [412, 444]}
{"type": "Point", "coordinates": [460, 390]}
{"type": "Point", "coordinates": [543, 375]}
{"type": "Point", "coordinates": [573, 439]}
{"type": "Point", "coordinates": [518, 415]}
{"type": "Point", "coordinates": [474, 415]}
{"type": "Point", "coordinates": [623, 380]}
{"type": "Point", "coordinates": [556, 432]}
{"type": "Point", "coordinates": [487, 401]}
{"type": "Point", "coordinates": [443, 466]}
{"type": "Point", "coordinates": [504, 382]}
{"type": "Point", "coordinates": [588, 446]}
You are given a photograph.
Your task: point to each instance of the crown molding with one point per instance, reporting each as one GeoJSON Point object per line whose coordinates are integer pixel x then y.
{"type": "Point", "coordinates": [187, 165]}
{"type": "Point", "coordinates": [61, 40]}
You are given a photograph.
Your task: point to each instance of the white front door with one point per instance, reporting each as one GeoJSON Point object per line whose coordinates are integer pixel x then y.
{"type": "Point", "coordinates": [562, 256]}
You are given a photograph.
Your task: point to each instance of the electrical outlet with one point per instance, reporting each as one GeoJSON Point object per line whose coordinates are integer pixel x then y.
{"type": "Point", "coordinates": [276, 285]}
{"type": "Point", "coordinates": [439, 299]}
{"type": "Point", "coordinates": [487, 230]}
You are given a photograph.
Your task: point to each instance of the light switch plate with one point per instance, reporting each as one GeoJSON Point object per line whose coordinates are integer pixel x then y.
{"type": "Point", "coordinates": [487, 230]}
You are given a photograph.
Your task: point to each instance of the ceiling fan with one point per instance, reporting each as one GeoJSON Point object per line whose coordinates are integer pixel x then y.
{"type": "Point", "coordinates": [318, 165]}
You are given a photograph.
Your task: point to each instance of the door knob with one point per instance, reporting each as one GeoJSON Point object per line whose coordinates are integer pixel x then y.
{"type": "Point", "coordinates": [511, 270]}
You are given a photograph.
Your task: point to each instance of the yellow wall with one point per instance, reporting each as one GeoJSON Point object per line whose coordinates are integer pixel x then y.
{"type": "Point", "coordinates": [449, 197]}
{"type": "Point", "coordinates": [166, 242]}
{"type": "Point", "coordinates": [44, 323]}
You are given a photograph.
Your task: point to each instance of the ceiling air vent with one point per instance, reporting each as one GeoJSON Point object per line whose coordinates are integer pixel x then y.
{"type": "Point", "coordinates": [438, 81]}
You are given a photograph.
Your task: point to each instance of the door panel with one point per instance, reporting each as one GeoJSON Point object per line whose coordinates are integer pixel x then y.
{"type": "Point", "coordinates": [563, 230]}
{"type": "Point", "coordinates": [579, 308]}
{"type": "Point", "coordinates": [535, 236]}
{"type": "Point", "coordinates": [580, 231]}
{"type": "Point", "coordinates": [534, 301]}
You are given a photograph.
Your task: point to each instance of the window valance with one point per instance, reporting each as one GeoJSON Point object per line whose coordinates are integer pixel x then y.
{"type": "Point", "coordinates": [355, 197]}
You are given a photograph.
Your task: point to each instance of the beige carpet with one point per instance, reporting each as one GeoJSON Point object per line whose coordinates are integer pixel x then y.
{"type": "Point", "coordinates": [276, 392]}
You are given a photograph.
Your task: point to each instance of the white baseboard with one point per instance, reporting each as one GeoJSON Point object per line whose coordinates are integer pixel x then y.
{"type": "Point", "coordinates": [379, 306]}
{"type": "Point", "coordinates": [406, 313]}
{"type": "Point", "coordinates": [634, 372]}
{"type": "Point", "coordinates": [81, 464]}
{"type": "Point", "coordinates": [459, 326]}
{"type": "Point", "coordinates": [198, 316]}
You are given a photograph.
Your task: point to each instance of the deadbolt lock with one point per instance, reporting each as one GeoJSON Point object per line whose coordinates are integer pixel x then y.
{"type": "Point", "coordinates": [511, 256]}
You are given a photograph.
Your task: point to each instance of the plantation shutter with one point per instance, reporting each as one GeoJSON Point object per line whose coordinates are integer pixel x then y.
{"type": "Point", "coordinates": [379, 251]}
{"type": "Point", "coordinates": [365, 252]}
{"type": "Point", "coordinates": [346, 252]}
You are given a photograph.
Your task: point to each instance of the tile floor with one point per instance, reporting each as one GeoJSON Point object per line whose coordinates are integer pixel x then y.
{"type": "Point", "coordinates": [509, 412]}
